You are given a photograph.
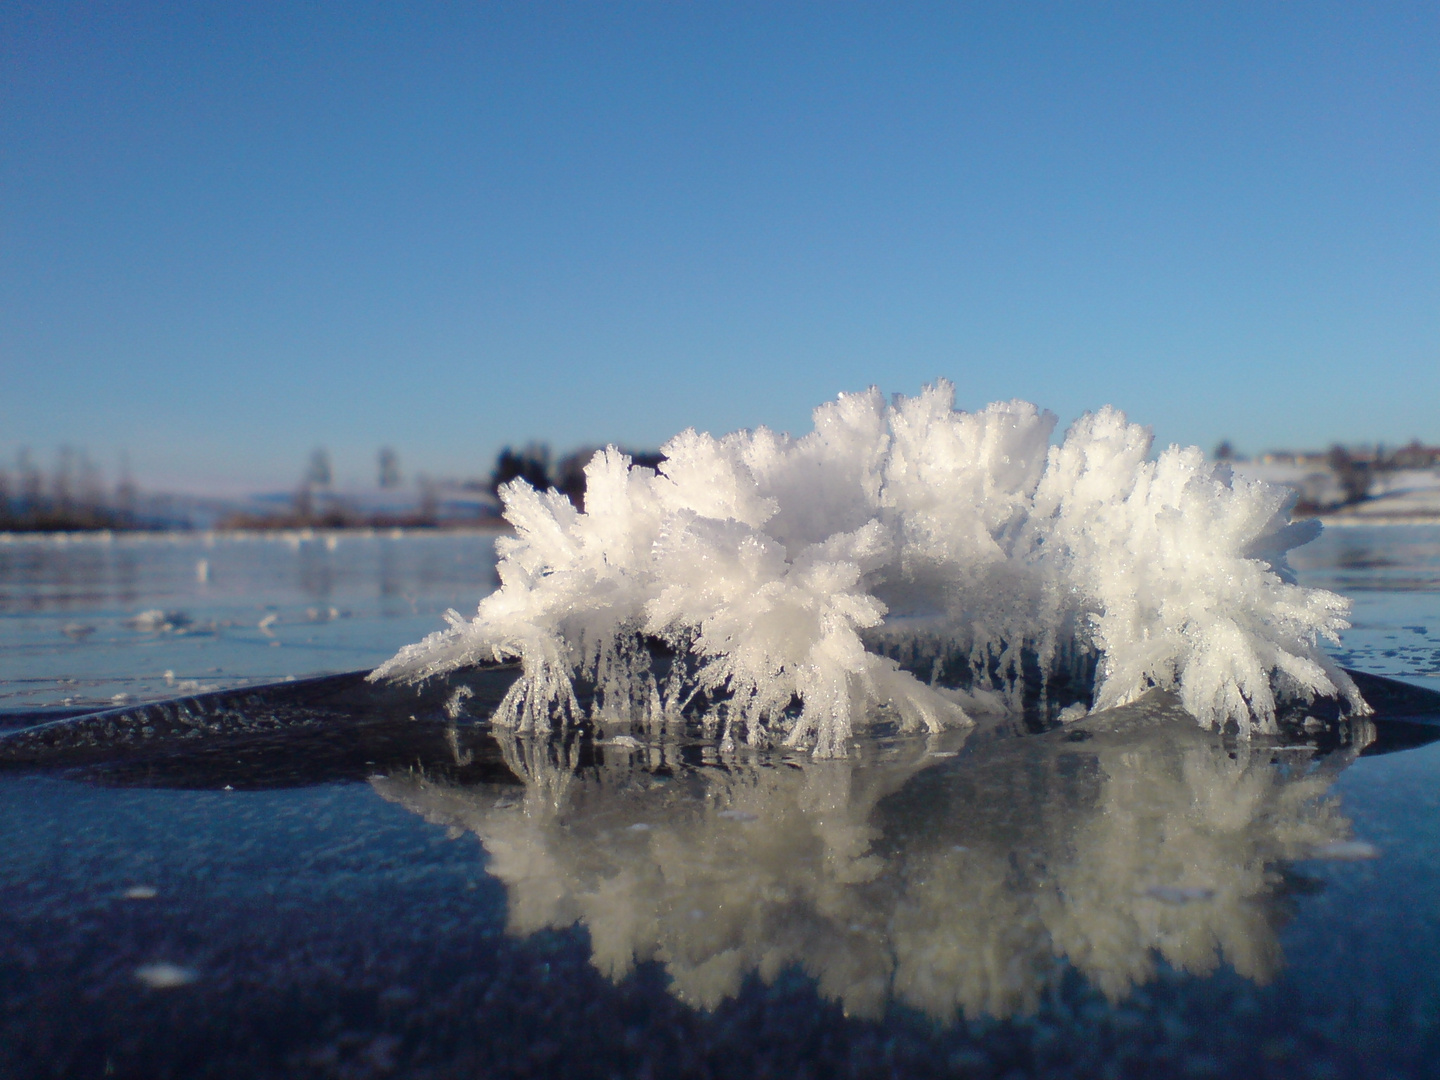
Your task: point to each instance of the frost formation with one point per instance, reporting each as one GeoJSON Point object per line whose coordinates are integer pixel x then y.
{"type": "Point", "coordinates": [791, 576]}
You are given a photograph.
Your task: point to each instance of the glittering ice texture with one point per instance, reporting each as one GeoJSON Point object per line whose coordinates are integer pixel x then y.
{"type": "Point", "coordinates": [785, 574]}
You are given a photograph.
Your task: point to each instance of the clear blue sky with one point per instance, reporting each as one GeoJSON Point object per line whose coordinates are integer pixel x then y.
{"type": "Point", "coordinates": [230, 233]}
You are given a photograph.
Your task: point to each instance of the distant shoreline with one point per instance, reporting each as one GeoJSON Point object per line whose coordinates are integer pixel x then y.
{"type": "Point", "coordinates": [488, 527]}
{"type": "Point", "coordinates": [1348, 521]}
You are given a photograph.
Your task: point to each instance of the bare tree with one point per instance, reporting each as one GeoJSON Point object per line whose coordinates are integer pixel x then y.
{"type": "Point", "coordinates": [429, 511]}
{"type": "Point", "coordinates": [126, 494]}
{"type": "Point", "coordinates": [62, 483]}
{"type": "Point", "coordinates": [318, 474]}
{"type": "Point", "coordinates": [532, 464]}
{"type": "Point", "coordinates": [90, 493]}
{"type": "Point", "coordinates": [31, 483]}
{"type": "Point", "coordinates": [389, 467]}
{"type": "Point", "coordinates": [1353, 476]}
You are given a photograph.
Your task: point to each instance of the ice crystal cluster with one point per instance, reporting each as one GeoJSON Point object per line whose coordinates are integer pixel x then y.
{"type": "Point", "coordinates": [787, 574]}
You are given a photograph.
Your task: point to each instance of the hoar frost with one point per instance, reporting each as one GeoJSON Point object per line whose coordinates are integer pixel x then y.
{"type": "Point", "coordinates": [784, 572]}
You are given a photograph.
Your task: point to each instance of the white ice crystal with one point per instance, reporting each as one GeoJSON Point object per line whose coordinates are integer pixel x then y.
{"type": "Point", "coordinates": [787, 572]}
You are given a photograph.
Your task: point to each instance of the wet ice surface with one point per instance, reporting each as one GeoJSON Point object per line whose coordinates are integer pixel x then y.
{"type": "Point", "coordinates": [1118, 898]}
{"type": "Point", "coordinates": [1392, 573]}
{"type": "Point", "coordinates": [90, 621]}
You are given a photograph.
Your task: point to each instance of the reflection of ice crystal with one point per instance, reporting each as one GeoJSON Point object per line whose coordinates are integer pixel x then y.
{"type": "Point", "coordinates": [769, 564]}
{"type": "Point", "coordinates": [937, 881]}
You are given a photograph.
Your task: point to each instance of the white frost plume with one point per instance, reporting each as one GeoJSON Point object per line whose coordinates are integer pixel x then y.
{"type": "Point", "coordinates": [781, 571]}
{"type": "Point", "coordinates": [1180, 567]}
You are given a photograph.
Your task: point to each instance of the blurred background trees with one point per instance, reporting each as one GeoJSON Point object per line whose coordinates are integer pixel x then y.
{"type": "Point", "coordinates": [73, 493]}
{"type": "Point", "coordinates": [532, 464]}
{"type": "Point", "coordinates": [72, 496]}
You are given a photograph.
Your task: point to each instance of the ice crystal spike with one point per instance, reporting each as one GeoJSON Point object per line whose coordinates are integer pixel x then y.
{"type": "Point", "coordinates": [785, 571]}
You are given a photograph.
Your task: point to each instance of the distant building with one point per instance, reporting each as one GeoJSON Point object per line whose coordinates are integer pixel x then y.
{"type": "Point", "coordinates": [1416, 456]}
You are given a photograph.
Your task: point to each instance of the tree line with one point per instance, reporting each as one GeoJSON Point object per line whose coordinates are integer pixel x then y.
{"type": "Point", "coordinates": [72, 495]}
{"type": "Point", "coordinates": [567, 475]}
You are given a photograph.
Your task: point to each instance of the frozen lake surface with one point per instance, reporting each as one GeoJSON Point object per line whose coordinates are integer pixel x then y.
{"type": "Point", "coordinates": [92, 620]}
{"type": "Point", "coordinates": [1127, 897]}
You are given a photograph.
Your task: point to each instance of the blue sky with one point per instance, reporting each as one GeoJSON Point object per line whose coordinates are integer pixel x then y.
{"type": "Point", "coordinates": [230, 233]}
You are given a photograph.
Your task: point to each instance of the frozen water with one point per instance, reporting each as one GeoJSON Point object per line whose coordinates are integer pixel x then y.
{"type": "Point", "coordinates": [1150, 842]}
{"type": "Point", "coordinates": [87, 617]}
{"type": "Point", "coordinates": [1091, 895]}
{"type": "Point", "coordinates": [799, 572]}
{"type": "Point", "coordinates": [1392, 575]}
